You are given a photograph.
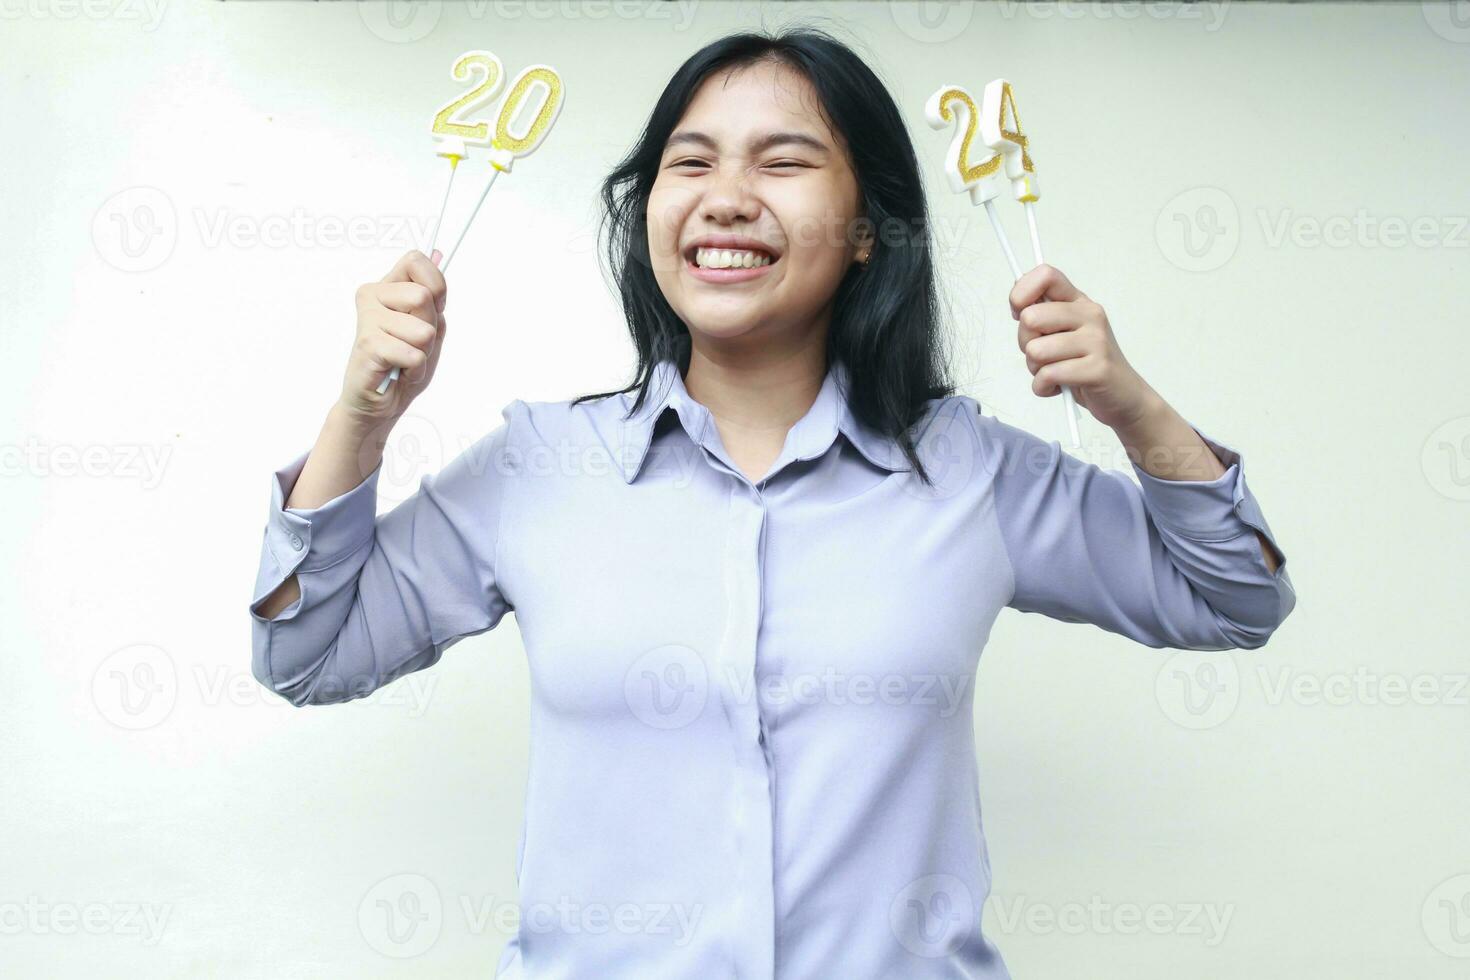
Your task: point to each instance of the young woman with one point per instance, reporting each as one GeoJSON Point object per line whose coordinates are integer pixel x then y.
{"type": "Point", "coordinates": [754, 585]}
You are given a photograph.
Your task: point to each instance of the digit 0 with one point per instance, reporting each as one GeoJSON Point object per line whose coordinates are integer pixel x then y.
{"type": "Point", "coordinates": [507, 145]}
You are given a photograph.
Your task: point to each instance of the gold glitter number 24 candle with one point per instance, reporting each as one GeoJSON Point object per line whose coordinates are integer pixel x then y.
{"type": "Point", "coordinates": [1004, 152]}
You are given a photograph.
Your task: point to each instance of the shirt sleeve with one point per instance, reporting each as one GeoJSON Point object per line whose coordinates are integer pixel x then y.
{"type": "Point", "coordinates": [380, 596]}
{"type": "Point", "coordinates": [1168, 563]}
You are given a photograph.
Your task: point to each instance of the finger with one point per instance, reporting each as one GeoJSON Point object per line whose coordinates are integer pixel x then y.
{"type": "Point", "coordinates": [408, 297]}
{"type": "Point", "coordinates": [1047, 318]}
{"type": "Point", "coordinates": [399, 272]}
{"type": "Point", "coordinates": [417, 375]}
{"type": "Point", "coordinates": [1050, 348]}
{"type": "Point", "coordinates": [435, 345]}
{"type": "Point", "coordinates": [424, 272]}
{"type": "Point", "coordinates": [1045, 283]}
{"type": "Point", "coordinates": [1049, 378]}
{"type": "Point", "coordinates": [415, 266]}
{"type": "Point", "coordinates": [388, 352]}
{"type": "Point", "coordinates": [409, 329]}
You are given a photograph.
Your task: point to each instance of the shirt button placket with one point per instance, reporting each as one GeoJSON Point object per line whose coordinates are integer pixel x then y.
{"type": "Point", "coordinates": [754, 945]}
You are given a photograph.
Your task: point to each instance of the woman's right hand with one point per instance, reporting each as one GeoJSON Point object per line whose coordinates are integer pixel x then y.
{"type": "Point", "coordinates": [400, 323]}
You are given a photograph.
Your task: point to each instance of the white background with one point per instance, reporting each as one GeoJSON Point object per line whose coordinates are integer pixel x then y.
{"type": "Point", "coordinates": [177, 307]}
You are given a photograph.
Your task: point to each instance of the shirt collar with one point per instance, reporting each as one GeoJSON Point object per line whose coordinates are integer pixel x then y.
{"type": "Point", "coordinates": [812, 435]}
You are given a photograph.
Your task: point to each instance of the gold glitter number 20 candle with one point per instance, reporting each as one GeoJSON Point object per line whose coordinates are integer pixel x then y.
{"type": "Point", "coordinates": [454, 132]}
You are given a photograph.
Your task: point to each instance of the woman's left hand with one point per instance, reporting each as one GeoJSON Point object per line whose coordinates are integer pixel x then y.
{"type": "Point", "coordinates": [1067, 340]}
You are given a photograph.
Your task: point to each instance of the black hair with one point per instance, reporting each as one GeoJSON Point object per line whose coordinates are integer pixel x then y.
{"type": "Point", "coordinates": [885, 317]}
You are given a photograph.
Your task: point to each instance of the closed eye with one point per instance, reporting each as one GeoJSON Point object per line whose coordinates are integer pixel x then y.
{"type": "Point", "coordinates": [691, 162]}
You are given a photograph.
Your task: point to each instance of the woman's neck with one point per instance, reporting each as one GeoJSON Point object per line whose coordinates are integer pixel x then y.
{"type": "Point", "coordinates": [756, 399]}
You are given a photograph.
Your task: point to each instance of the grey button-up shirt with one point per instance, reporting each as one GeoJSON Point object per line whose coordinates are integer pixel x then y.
{"type": "Point", "coordinates": [752, 752]}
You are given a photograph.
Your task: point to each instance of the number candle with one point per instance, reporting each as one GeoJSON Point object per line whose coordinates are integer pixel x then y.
{"type": "Point", "coordinates": [1008, 154]}
{"type": "Point", "coordinates": [506, 146]}
{"type": "Point", "coordinates": [452, 134]}
{"type": "Point", "coordinates": [451, 137]}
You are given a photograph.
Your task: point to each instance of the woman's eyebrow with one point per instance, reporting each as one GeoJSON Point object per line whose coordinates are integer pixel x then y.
{"type": "Point", "coordinates": [758, 145]}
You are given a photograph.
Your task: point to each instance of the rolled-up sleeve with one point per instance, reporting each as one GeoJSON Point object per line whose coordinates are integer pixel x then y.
{"type": "Point", "coordinates": [1168, 563]}
{"type": "Point", "coordinates": [380, 596]}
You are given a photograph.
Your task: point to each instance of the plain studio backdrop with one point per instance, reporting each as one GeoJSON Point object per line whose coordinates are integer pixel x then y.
{"type": "Point", "coordinates": [1269, 201]}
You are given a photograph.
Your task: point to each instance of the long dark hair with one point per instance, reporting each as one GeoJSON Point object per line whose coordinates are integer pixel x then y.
{"type": "Point", "coordinates": [885, 319]}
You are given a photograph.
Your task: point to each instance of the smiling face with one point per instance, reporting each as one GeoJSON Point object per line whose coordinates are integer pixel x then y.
{"type": "Point", "coordinates": [752, 166]}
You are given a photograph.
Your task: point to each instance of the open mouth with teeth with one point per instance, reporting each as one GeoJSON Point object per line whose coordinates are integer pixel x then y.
{"type": "Point", "coordinates": [729, 258]}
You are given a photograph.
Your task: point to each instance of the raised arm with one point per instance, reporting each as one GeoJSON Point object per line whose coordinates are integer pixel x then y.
{"type": "Point", "coordinates": [1169, 563]}
{"type": "Point", "coordinates": [380, 597]}
{"type": "Point", "coordinates": [1185, 558]}
{"type": "Point", "coordinates": [345, 601]}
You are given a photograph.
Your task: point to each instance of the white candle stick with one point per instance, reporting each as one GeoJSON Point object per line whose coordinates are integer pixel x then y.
{"type": "Point", "coordinates": [449, 257]}
{"type": "Point", "coordinates": [1005, 243]}
{"type": "Point", "coordinates": [433, 232]}
{"type": "Point", "coordinates": [1035, 235]}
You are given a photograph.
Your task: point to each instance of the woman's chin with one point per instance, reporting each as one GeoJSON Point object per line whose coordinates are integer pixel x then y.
{"type": "Point", "coordinates": [722, 322]}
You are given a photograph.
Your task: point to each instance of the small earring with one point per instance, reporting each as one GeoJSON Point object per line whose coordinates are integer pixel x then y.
{"type": "Point", "coordinates": [863, 259]}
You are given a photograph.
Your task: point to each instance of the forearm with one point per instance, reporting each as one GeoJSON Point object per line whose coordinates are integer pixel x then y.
{"type": "Point", "coordinates": [1165, 445]}
{"type": "Point", "coordinates": [345, 452]}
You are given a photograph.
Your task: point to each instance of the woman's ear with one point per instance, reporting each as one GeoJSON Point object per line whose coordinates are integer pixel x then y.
{"type": "Point", "coordinates": [864, 242]}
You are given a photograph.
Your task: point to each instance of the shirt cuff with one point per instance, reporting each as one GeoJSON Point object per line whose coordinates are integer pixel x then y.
{"type": "Point", "coordinates": [312, 538]}
{"type": "Point", "coordinates": [1206, 510]}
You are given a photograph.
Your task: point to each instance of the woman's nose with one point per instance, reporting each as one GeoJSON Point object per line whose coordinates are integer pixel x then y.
{"type": "Point", "coordinates": [728, 199]}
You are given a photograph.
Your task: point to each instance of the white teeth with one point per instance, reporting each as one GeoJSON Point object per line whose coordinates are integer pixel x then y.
{"type": "Point", "coordinates": [724, 258]}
